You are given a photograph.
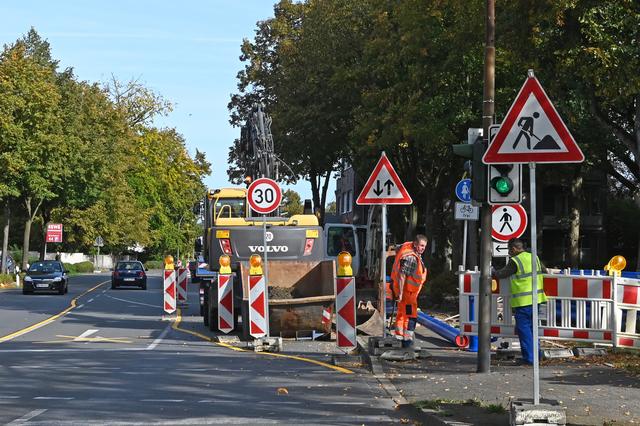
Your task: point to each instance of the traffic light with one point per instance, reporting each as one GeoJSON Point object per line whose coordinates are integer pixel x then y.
{"type": "Point", "coordinates": [504, 184]}
{"type": "Point", "coordinates": [474, 150]}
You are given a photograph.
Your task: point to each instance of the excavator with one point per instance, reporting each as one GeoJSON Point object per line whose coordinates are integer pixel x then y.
{"type": "Point", "coordinates": [301, 262]}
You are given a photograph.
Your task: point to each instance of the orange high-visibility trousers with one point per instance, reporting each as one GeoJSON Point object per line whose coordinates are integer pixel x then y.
{"type": "Point", "coordinates": [407, 310]}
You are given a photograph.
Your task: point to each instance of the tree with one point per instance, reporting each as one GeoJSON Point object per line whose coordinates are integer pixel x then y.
{"type": "Point", "coordinates": [292, 202]}
{"type": "Point", "coordinates": [36, 121]}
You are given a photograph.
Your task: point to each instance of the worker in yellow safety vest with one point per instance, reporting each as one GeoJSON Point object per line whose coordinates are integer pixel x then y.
{"type": "Point", "coordinates": [408, 276]}
{"type": "Point", "coordinates": [519, 269]}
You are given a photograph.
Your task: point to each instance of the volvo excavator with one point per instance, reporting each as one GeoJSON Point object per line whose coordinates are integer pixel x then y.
{"type": "Point", "coordinates": [301, 264]}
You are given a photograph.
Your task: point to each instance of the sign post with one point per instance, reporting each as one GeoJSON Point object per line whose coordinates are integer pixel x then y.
{"type": "Point", "coordinates": [463, 209]}
{"type": "Point", "coordinates": [383, 187]}
{"type": "Point", "coordinates": [53, 235]}
{"type": "Point", "coordinates": [532, 132]}
{"type": "Point", "coordinates": [264, 196]}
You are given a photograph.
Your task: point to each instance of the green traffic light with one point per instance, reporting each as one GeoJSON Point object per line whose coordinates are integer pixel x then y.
{"type": "Point", "coordinates": [502, 184]}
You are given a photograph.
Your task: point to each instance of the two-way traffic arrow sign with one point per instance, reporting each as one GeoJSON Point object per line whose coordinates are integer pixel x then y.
{"type": "Point", "coordinates": [384, 186]}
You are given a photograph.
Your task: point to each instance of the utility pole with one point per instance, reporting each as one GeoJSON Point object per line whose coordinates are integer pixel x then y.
{"type": "Point", "coordinates": [488, 111]}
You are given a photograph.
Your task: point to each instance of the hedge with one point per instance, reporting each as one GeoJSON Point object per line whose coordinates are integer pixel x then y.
{"type": "Point", "coordinates": [81, 267]}
{"type": "Point", "coordinates": [154, 264]}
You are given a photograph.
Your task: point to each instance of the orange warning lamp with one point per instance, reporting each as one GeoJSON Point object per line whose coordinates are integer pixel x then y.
{"type": "Point", "coordinates": [168, 262]}
{"type": "Point", "coordinates": [225, 264]}
{"type": "Point", "coordinates": [616, 265]}
{"type": "Point", "coordinates": [344, 264]}
{"type": "Point", "coordinates": [255, 265]}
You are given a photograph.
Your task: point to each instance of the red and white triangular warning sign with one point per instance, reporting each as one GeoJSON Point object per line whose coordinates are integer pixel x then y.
{"type": "Point", "coordinates": [533, 132]}
{"type": "Point", "coordinates": [384, 186]}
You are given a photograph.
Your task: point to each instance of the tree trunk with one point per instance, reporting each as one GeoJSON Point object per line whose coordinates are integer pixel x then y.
{"type": "Point", "coordinates": [575, 206]}
{"type": "Point", "coordinates": [31, 213]}
{"type": "Point", "coordinates": [25, 242]}
{"type": "Point", "coordinates": [5, 236]}
{"type": "Point", "coordinates": [636, 125]}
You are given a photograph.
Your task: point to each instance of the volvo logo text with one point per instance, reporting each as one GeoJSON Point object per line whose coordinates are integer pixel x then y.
{"type": "Point", "coordinates": [270, 249]}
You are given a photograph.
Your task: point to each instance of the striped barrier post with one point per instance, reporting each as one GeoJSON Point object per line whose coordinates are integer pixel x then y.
{"type": "Point", "coordinates": [182, 286]}
{"type": "Point", "coordinates": [258, 325]}
{"type": "Point", "coordinates": [225, 302]}
{"type": "Point", "coordinates": [627, 301]}
{"type": "Point", "coordinates": [345, 303]}
{"type": "Point", "coordinates": [169, 291]}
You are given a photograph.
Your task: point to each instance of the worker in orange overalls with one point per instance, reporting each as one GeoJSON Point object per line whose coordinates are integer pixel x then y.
{"type": "Point", "coordinates": [408, 275]}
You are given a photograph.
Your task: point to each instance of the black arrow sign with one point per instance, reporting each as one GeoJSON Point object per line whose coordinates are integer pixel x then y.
{"type": "Point", "coordinates": [377, 190]}
{"type": "Point", "coordinates": [499, 248]}
{"type": "Point", "coordinates": [389, 183]}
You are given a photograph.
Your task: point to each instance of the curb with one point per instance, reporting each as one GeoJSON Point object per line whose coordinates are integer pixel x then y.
{"type": "Point", "coordinates": [404, 406]}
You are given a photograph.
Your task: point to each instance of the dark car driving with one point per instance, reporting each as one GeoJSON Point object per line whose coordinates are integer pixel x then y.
{"type": "Point", "coordinates": [46, 275]}
{"type": "Point", "coordinates": [129, 273]}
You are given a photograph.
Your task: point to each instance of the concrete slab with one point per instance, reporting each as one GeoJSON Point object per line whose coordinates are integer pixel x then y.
{"type": "Point", "coordinates": [525, 413]}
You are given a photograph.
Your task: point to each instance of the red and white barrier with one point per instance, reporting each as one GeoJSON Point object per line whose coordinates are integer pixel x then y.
{"type": "Point", "coordinates": [182, 286]}
{"type": "Point", "coordinates": [258, 326]}
{"type": "Point", "coordinates": [346, 312]}
{"type": "Point", "coordinates": [585, 308]}
{"type": "Point", "coordinates": [169, 291]}
{"type": "Point", "coordinates": [225, 302]}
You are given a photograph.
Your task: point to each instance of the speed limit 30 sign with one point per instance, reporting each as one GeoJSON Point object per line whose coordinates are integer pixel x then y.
{"type": "Point", "coordinates": [264, 195]}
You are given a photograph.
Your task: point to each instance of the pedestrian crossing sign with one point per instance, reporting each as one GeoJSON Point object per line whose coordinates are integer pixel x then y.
{"type": "Point", "coordinates": [533, 132]}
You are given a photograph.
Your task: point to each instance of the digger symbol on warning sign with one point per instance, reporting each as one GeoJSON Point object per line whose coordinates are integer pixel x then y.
{"type": "Point", "coordinates": [526, 125]}
{"type": "Point", "coordinates": [533, 132]}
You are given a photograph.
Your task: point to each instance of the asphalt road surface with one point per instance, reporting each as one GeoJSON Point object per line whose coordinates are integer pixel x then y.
{"type": "Point", "coordinates": [103, 356]}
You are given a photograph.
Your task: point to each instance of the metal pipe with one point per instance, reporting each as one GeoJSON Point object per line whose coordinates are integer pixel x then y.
{"type": "Point", "coordinates": [444, 330]}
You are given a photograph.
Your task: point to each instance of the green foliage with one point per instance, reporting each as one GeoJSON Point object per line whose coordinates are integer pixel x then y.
{"type": "Point", "coordinates": [84, 267]}
{"type": "Point", "coordinates": [88, 157]}
{"type": "Point", "coordinates": [7, 278]}
{"type": "Point", "coordinates": [154, 264]}
{"type": "Point", "coordinates": [71, 267]}
{"type": "Point", "coordinates": [292, 203]}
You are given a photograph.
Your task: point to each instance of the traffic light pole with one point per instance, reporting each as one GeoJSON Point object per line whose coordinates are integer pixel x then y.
{"type": "Point", "coordinates": [488, 111]}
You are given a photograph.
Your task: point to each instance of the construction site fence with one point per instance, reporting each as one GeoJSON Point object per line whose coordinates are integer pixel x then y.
{"type": "Point", "coordinates": [591, 308]}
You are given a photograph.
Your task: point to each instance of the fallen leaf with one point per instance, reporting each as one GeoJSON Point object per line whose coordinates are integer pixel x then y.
{"type": "Point", "coordinates": [580, 391]}
{"type": "Point", "coordinates": [404, 421]}
{"type": "Point", "coordinates": [283, 391]}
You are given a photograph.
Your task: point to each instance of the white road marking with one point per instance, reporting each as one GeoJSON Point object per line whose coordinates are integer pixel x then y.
{"type": "Point", "coordinates": [131, 301]}
{"type": "Point", "coordinates": [85, 334]}
{"type": "Point", "coordinates": [79, 306]}
{"type": "Point", "coordinates": [155, 343]}
{"type": "Point", "coordinates": [162, 400]}
{"type": "Point", "coordinates": [90, 300]}
{"type": "Point", "coordinates": [27, 417]}
{"type": "Point", "coordinates": [55, 398]}
{"type": "Point", "coordinates": [9, 397]}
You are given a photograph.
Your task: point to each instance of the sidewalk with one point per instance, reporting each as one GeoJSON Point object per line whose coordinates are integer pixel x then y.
{"type": "Point", "coordinates": [592, 394]}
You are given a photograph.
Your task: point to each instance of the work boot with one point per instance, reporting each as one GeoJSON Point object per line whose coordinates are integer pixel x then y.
{"type": "Point", "coordinates": [407, 344]}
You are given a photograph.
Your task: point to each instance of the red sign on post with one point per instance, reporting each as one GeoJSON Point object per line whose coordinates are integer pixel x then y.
{"type": "Point", "coordinates": [54, 233]}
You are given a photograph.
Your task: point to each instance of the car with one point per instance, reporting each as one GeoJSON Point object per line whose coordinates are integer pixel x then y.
{"type": "Point", "coordinates": [46, 275]}
{"type": "Point", "coordinates": [130, 272]}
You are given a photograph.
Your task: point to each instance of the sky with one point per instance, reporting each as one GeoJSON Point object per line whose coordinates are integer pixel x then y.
{"type": "Point", "coordinates": [186, 51]}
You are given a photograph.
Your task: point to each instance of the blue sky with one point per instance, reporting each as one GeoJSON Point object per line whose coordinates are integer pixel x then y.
{"type": "Point", "coordinates": [186, 51]}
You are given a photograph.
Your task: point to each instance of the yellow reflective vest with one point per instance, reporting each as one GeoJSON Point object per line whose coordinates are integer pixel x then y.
{"type": "Point", "coordinates": [521, 282]}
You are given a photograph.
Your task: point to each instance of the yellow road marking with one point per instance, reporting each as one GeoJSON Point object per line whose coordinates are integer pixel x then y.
{"type": "Point", "coordinates": [176, 326]}
{"type": "Point", "coordinates": [50, 319]}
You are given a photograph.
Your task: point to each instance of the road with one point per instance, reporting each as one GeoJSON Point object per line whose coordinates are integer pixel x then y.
{"type": "Point", "coordinates": [103, 356]}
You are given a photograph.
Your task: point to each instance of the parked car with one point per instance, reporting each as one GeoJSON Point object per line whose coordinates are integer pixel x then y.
{"type": "Point", "coordinates": [46, 275]}
{"type": "Point", "coordinates": [129, 273]}
{"type": "Point", "coordinates": [11, 263]}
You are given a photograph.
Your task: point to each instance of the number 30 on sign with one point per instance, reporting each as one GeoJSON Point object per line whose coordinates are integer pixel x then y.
{"type": "Point", "coordinates": [264, 195]}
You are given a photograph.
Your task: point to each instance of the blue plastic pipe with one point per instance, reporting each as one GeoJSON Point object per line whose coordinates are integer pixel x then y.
{"type": "Point", "coordinates": [443, 329]}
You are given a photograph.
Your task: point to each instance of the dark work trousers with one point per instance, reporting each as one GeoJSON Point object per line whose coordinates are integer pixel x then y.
{"type": "Point", "coordinates": [524, 330]}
